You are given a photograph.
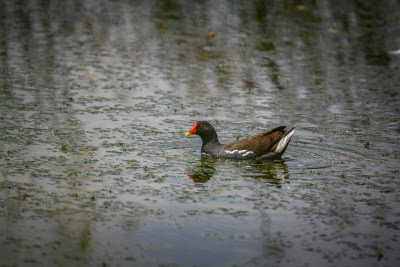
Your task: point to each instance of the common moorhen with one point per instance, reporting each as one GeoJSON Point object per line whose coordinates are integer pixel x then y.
{"type": "Point", "coordinates": [268, 145]}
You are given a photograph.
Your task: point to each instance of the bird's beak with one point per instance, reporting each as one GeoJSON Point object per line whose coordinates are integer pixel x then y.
{"type": "Point", "coordinates": [193, 130]}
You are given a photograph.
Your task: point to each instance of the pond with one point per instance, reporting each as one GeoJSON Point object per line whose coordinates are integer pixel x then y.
{"type": "Point", "coordinates": [96, 98]}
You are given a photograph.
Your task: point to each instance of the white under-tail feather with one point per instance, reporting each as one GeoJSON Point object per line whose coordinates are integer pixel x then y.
{"type": "Point", "coordinates": [284, 142]}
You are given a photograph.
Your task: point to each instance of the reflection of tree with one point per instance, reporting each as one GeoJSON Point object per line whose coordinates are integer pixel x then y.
{"type": "Point", "coordinates": [274, 244]}
{"type": "Point", "coordinates": [74, 225]}
{"type": "Point", "coordinates": [49, 145]}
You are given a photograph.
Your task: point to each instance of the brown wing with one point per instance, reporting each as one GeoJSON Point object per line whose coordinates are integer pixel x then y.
{"type": "Point", "coordinates": [261, 143]}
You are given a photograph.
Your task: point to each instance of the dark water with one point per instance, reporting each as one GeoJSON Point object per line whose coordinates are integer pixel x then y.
{"type": "Point", "coordinates": [96, 97]}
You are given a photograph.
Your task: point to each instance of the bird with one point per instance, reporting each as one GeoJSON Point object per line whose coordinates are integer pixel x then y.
{"type": "Point", "coordinates": [267, 145]}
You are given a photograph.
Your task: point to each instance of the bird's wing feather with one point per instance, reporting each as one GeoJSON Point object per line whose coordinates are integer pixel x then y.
{"type": "Point", "coordinates": [259, 144]}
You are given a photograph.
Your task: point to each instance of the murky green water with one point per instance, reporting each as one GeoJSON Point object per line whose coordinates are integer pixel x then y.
{"type": "Point", "coordinates": [96, 98]}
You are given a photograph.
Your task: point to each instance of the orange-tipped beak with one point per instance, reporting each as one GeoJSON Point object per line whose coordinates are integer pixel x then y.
{"type": "Point", "coordinates": [193, 131]}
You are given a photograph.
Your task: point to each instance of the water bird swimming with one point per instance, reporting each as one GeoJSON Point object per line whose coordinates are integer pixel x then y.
{"type": "Point", "coordinates": [268, 145]}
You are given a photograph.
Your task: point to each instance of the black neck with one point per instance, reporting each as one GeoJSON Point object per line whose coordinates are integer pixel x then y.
{"type": "Point", "coordinates": [212, 138]}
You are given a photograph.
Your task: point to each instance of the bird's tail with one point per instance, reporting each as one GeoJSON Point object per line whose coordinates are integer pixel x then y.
{"type": "Point", "coordinates": [284, 141]}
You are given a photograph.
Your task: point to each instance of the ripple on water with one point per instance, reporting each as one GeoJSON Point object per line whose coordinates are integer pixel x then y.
{"type": "Point", "coordinates": [332, 153]}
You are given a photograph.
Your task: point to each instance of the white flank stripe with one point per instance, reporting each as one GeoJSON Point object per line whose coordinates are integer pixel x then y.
{"type": "Point", "coordinates": [283, 143]}
{"type": "Point", "coordinates": [247, 153]}
{"type": "Point", "coordinates": [244, 152]}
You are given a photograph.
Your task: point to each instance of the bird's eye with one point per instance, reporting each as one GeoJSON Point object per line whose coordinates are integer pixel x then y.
{"type": "Point", "coordinates": [201, 126]}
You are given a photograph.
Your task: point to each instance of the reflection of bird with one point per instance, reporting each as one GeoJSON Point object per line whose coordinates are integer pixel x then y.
{"type": "Point", "coordinates": [267, 145]}
{"type": "Point", "coordinates": [273, 172]}
{"type": "Point", "coordinates": [203, 172]}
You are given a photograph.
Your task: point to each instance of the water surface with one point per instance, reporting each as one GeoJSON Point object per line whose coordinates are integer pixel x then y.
{"type": "Point", "coordinates": [96, 98]}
